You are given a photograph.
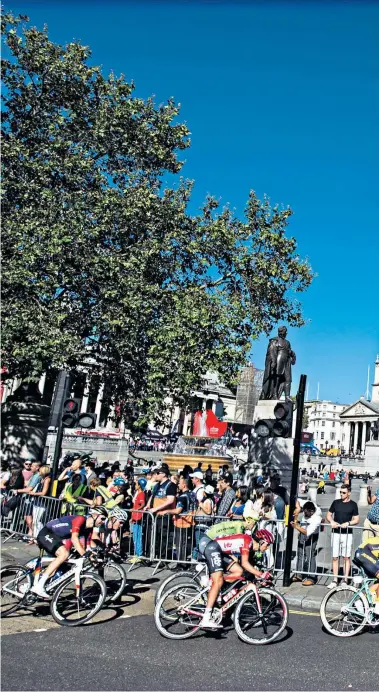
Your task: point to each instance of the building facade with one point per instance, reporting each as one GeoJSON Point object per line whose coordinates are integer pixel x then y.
{"type": "Point", "coordinates": [324, 423]}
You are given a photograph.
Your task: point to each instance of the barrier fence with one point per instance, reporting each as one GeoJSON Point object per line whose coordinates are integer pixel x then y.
{"type": "Point", "coordinates": [163, 539]}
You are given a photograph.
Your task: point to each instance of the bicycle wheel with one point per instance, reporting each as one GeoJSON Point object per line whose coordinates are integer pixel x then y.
{"type": "Point", "coordinates": [115, 580]}
{"type": "Point", "coordinates": [70, 608]}
{"type": "Point", "coordinates": [179, 577]}
{"type": "Point", "coordinates": [254, 627]}
{"type": "Point", "coordinates": [171, 620]}
{"type": "Point", "coordinates": [16, 580]}
{"type": "Point", "coordinates": [344, 611]}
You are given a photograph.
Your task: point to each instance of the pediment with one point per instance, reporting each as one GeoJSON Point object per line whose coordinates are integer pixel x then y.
{"type": "Point", "coordinates": [359, 408]}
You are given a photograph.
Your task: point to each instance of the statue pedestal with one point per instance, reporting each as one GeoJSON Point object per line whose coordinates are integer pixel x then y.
{"type": "Point", "coordinates": [269, 455]}
{"type": "Point", "coordinates": [371, 462]}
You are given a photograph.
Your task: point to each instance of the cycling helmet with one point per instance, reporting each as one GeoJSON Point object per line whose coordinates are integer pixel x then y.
{"type": "Point", "coordinates": [264, 535]}
{"type": "Point", "coordinates": [96, 511]}
{"type": "Point", "coordinates": [120, 514]}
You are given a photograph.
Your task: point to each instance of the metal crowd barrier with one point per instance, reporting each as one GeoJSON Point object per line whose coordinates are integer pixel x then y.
{"type": "Point", "coordinates": [163, 539]}
{"type": "Point", "coordinates": [30, 513]}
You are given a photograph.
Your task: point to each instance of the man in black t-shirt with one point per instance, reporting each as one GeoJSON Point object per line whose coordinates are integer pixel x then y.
{"type": "Point", "coordinates": [183, 520]}
{"type": "Point", "coordinates": [163, 498]}
{"type": "Point", "coordinates": [342, 515]}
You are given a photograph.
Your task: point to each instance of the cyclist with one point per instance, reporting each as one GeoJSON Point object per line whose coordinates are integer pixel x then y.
{"type": "Point", "coordinates": [72, 529]}
{"type": "Point", "coordinates": [222, 546]}
{"type": "Point", "coordinates": [367, 557]}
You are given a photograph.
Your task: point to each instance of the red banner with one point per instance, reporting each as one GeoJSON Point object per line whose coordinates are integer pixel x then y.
{"type": "Point", "coordinates": [206, 424]}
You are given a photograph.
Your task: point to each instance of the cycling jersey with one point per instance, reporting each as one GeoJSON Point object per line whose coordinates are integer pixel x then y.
{"type": "Point", "coordinates": [367, 556]}
{"type": "Point", "coordinates": [64, 527]}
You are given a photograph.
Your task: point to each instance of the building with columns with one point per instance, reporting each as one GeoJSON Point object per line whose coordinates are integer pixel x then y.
{"type": "Point", "coordinates": [358, 420]}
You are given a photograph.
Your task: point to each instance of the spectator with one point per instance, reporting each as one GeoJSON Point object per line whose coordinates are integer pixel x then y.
{"type": "Point", "coordinates": [16, 479]}
{"type": "Point", "coordinates": [198, 486]}
{"type": "Point", "coordinates": [281, 498]}
{"type": "Point", "coordinates": [175, 479]}
{"type": "Point", "coordinates": [75, 492]}
{"type": "Point", "coordinates": [227, 497]}
{"type": "Point", "coordinates": [199, 467]}
{"type": "Point", "coordinates": [209, 475]}
{"type": "Point", "coordinates": [238, 506]}
{"type": "Point", "coordinates": [39, 505]}
{"type": "Point", "coordinates": [163, 498]}
{"type": "Point", "coordinates": [27, 470]}
{"type": "Point", "coordinates": [309, 531]}
{"type": "Point", "coordinates": [4, 476]}
{"type": "Point", "coordinates": [164, 493]}
{"type": "Point", "coordinates": [187, 470]}
{"type": "Point", "coordinates": [33, 484]}
{"type": "Point", "coordinates": [372, 521]}
{"type": "Point", "coordinates": [183, 520]}
{"type": "Point", "coordinates": [342, 514]}
{"type": "Point", "coordinates": [90, 471]}
{"type": "Point", "coordinates": [139, 502]}
{"type": "Point", "coordinates": [75, 469]}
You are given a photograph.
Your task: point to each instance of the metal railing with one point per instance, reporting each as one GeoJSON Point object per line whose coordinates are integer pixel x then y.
{"type": "Point", "coordinates": [29, 514]}
{"type": "Point", "coordinates": [162, 539]}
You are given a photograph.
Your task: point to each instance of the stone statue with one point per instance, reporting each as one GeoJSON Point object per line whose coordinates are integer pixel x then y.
{"type": "Point", "coordinates": [277, 375]}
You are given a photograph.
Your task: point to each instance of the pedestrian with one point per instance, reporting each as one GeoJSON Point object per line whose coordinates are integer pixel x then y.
{"type": "Point", "coordinates": [183, 518]}
{"type": "Point", "coordinates": [238, 506]}
{"type": "Point", "coordinates": [309, 530]}
{"type": "Point", "coordinates": [209, 475]}
{"type": "Point", "coordinates": [33, 484]}
{"type": "Point", "coordinates": [227, 497]}
{"type": "Point", "coordinates": [199, 467]}
{"type": "Point", "coordinates": [27, 470]}
{"type": "Point", "coordinates": [281, 498]}
{"type": "Point", "coordinates": [342, 515]}
{"type": "Point", "coordinates": [90, 471]}
{"type": "Point", "coordinates": [198, 486]}
{"type": "Point", "coordinates": [372, 520]}
{"type": "Point", "coordinates": [4, 476]}
{"type": "Point", "coordinates": [162, 498]}
{"type": "Point", "coordinates": [39, 505]}
{"type": "Point", "coordinates": [139, 502]}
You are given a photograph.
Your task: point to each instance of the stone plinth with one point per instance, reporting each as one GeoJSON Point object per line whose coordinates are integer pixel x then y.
{"type": "Point", "coordinates": [269, 455]}
{"type": "Point", "coordinates": [371, 462]}
{"type": "Point", "coordinates": [24, 430]}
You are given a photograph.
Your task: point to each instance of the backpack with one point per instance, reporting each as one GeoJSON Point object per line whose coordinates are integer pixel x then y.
{"type": "Point", "coordinates": [185, 521]}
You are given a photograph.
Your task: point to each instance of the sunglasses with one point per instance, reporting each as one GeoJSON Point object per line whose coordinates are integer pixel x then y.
{"type": "Point", "coordinates": [27, 463]}
{"type": "Point", "coordinates": [343, 493]}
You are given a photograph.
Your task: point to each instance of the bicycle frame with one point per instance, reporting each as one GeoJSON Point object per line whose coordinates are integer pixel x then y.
{"type": "Point", "coordinates": [35, 570]}
{"type": "Point", "coordinates": [365, 589]}
{"type": "Point", "coordinates": [247, 586]}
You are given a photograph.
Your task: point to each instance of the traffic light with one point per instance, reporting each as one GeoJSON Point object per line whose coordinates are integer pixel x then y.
{"type": "Point", "coordinates": [280, 426]}
{"type": "Point", "coordinates": [71, 416]}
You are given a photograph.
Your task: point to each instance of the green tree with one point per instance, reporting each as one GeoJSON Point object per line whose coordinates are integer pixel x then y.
{"type": "Point", "coordinates": [103, 263]}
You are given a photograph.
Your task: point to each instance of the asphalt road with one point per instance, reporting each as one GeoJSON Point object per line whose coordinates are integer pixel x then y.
{"type": "Point", "coordinates": [129, 654]}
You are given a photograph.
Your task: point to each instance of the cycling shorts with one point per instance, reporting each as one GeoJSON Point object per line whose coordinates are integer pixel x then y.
{"type": "Point", "coordinates": [49, 541]}
{"type": "Point", "coordinates": [365, 558]}
{"type": "Point", "coordinates": [215, 559]}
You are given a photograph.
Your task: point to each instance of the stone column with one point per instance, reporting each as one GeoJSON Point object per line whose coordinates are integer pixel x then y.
{"type": "Point", "coordinates": [84, 406]}
{"type": "Point", "coordinates": [363, 495]}
{"type": "Point", "coordinates": [312, 492]}
{"type": "Point", "coordinates": [355, 437]}
{"type": "Point", "coordinates": [41, 383]}
{"type": "Point", "coordinates": [363, 445]}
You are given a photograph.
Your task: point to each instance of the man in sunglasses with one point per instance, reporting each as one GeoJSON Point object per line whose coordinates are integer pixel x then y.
{"type": "Point", "coordinates": [342, 515]}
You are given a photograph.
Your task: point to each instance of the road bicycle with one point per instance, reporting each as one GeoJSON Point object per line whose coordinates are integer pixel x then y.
{"type": "Point", "coordinates": [77, 594]}
{"type": "Point", "coordinates": [197, 573]}
{"type": "Point", "coordinates": [261, 613]}
{"type": "Point", "coordinates": [347, 609]}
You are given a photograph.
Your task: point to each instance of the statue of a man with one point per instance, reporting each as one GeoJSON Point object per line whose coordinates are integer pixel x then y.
{"type": "Point", "coordinates": [278, 373]}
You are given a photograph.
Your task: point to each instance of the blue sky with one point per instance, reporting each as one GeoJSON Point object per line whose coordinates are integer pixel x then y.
{"type": "Point", "coordinates": [282, 98]}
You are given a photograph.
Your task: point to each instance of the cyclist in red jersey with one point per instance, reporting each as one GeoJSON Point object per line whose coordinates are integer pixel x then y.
{"type": "Point", "coordinates": [57, 537]}
{"type": "Point", "coordinates": [231, 553]}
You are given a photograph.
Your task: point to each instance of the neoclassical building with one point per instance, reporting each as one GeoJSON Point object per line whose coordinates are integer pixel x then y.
{"type": "Point", "coordinates": [357, 420]}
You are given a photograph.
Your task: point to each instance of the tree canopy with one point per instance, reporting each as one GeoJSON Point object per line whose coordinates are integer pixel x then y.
{"type": "Point", "coordinates": [103, 263]}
